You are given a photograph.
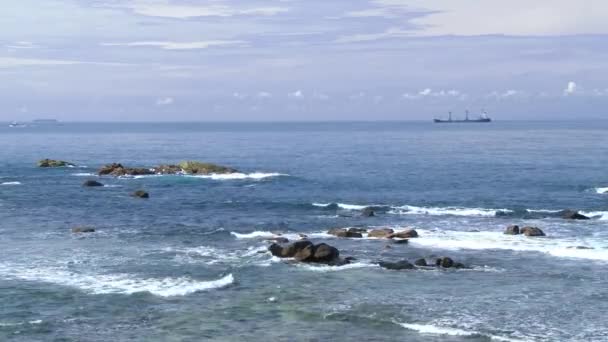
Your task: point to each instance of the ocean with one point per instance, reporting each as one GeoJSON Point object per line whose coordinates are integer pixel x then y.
{"type": "Point", "coordinates": [191, 264]}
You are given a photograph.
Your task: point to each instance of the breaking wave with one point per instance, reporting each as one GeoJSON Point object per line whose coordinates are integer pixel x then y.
{"type": "Point", "coordinates": [601, 190]}
{"type": "Point", "coordinates": [428, 329]}
{"type": "Point", "coordinates": [237, 176]}
{"type": "Point", "coordinates": [114, 283]}
{"type": "Point", "coordinates": [10, 183]}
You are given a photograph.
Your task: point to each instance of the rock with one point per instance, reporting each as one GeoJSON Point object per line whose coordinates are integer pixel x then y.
{"type": "Point", "coordinates": [325, 253]}
{"type": "Point", "coordinates": [194, 167]}
{"type": "Point", "coordinates": [168, 169]}
{"type": "Point", "coordinates": [116, 170]}
{"type": "Point", "coordinates": [83, 230]}
{"type": "Point", "coordinates": [303, 236]}
{"type": "Point", "coordinates": [368, 212]}
{"type": "Point", "coordinates": [512, 230]}
{"type": "Point", "coordinates": [531, 231]}
{"type": "Point", "coordinates": [573, 215]}
{"type": "Point", "coordinates": [380, 233]}
{"type": "Point", "coordinates": [459, 265]}
{"type": "Point", "coordinates": [401, 241]}
{"type": "Point", "coordinates": [343, 232]}
{"type": "Point", "coordinates": [357, 230]}
{"type": "Point", "coordinates": [305, 254]}
{"type": "Point", "coordinates": [141, 194]}
{"type": "Point", "coordinates": [53, 163]}
{"type": "Point", "coordinates": [421, 262]}
{"type": "Point", "coordinates": [278, 239]}
{"type": "Point", "coordinates": [91, 182]}
{"type": "Point", "coordinates": [399, 265]}
{"type": "Point", "coordinates": [291, 250]}
{"type": "Point", "coordinates": [276, 250]}
{"type": "Point", "coordinates": [406, 234]}
{"type": "Point", "coordinates": [444, 262]}
{"type": "Point", "coordinates": [580, 247]}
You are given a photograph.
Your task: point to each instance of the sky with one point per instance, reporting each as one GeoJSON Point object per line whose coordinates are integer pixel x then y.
{"type": "Point", "coordinates": [302, 60]}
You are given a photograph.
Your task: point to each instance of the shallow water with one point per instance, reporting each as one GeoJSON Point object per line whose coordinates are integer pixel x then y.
{"type": "Point", "coordinates": [190, 264]}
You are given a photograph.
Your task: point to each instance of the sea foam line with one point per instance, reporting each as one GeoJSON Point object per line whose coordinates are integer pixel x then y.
{"type": "Point", "coordinates": [10, 183]}
{"type": "Point", "coordinates": [114, 283]}
{"type": "Point", "coordinates": [416, 210]}
{"type": "Point", "coordinates": [601, 190]}
{"type": "Point", "coordinates": [428, 329]}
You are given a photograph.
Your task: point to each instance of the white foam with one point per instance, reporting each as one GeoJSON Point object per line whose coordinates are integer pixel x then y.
{"type": "Point", "coordinates": [84, 174]}
{"type": "Point", "coordinates": [601, 190]}
{"type": "Point", "coordinates": [601, 215]}
{"type": "Point", "coordinates": [254, 235]}
{"type": "Point", "coordinates": [345, 206]}
{"type": "Point", "coordinates": [327, 268]}
{"type": "Point", "coordinates": [559, 247]}
{"type": "Point", "coordinates": [238, 175]}
{"type": "Point", "coordinates": [10, 183]}
{"type": "Point", "coordinates": [114, 283]}
{"type": "Point", "coordinates": [454, 211]}
{"type": "Point", "coordinates": [437, 330]}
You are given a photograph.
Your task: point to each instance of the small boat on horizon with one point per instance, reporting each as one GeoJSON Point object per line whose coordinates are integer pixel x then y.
{"type": "Point", "coordinates": [16, 124]}
{"type": "Point", "coordinates": [482, 118]}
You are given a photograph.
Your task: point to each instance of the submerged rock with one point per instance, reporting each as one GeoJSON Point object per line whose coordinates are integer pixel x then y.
{"type": "Point", "coordinates": [53, 163]}
{"type": "Point", "coordinates": [380, 233]}
{"type": "Point", "coordinates": [421, 262]}
{"type": "Point", "coordinates": [343, 232]}
{"type": "Point", "coordinates": [83, 230]}
{"type": "Point", "coordinates": [573, 215]}
{"type": "Point", "coordinates": [512, 230]}
{"type": "Point", "coordinates": [399, 265]}
{"type": "Point", "coordinates": [444, 262]}
{"type": "Point", "coordinates": [368, 212]}
{"type": "Point", "coordinates": [91, 182]}
{"type": "Point", "coordinates": [531, 231]}
{"type": "Point", "coordinates": [141, 194]}
{"type": "Point", "coordinates": [406, 234]}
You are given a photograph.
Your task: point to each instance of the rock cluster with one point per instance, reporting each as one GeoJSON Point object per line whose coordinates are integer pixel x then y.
{"type": "Point", "coordinates": [306, 251]}
{"type": "Point", "coordinates": [187, 167]}
{"type": "Point", "coordinates": [53, 163]}
{"type": "Point", "coordinates": [443, 262]}
{"type": "Point", "coordinates": [527, 231]}
{"type": "Point", "coordinates": [387, 233]}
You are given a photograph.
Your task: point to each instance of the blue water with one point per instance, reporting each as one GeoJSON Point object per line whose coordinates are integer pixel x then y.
{"type": "Point", "coordinates": [188, 264]}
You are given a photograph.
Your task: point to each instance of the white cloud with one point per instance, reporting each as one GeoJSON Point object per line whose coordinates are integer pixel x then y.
{"type": "Point", "coordinates": [515, 17]}
{"type": "Point", "coordinates": [571, 88]}
{"type": "Point", "coordinates": [9, 62]}
{"type": "Point", "coordinates": [507, 94]}
{"type": "Point", "coordinates": [264, 95]}
{"type": "Point", "coordinates": [22, 45]}
{"type": "Point", "coordinates": [165, 9]}
{"type": "Point", "coordinates": [165, 101]}
{"type": "Point", "coordinates": [600, 92]}
{"type": "Point", "coordinates": [428, 92]}
{"type": "Point", "coordinates": [180, 45]}
{"type": "Point", "coordinates": [239, 96]}
{"type": "Point", "coordinates": [321, 96]}
{"type": "Point", "coordinates": [425, 92]}
{"type": "Point", "coordinates": [296, 94]}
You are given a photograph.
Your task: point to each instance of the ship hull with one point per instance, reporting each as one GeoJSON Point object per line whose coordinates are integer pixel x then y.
{"type": "Point", "coordinates": [462, 121]}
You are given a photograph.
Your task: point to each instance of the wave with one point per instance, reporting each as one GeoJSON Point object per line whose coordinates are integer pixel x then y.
{"type": "Point", "coordinates": [211, 255]}
{"type": "Point", "coordinates": [600, 215]}
{"type": "Point", "coordinates": [114, 283]}
{"type": "Point", "coordinates": [270, 235]}
{"type": "Point", "coordinates": [344, 206]}
{"type": "Point", "coordinates": [601, 190]}
{"type": "Point", "coordinates": [453, 211]}
{"type": "Point", "coordinates": [84, 174]}
{"type": "Point", "coordinates": [327, 268]}
{"type": "Point", "coordinates": [593, 249]}
{"type": "Point", "coordinates": [10, 183]}
{"type": "Point", "coordinates": [437, 330]}
{"type": "Point", "coordinates": [238, 176]}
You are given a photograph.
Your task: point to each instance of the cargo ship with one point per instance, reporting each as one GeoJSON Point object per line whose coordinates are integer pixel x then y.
{"type": "Point", "coordinates": [482, 118]}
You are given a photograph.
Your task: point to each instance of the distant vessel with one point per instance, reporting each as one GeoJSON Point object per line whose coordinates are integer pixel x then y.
{"type": "Point", "coordinates": [15, 124]}
{"type": "Point", "coordinates": [482, 118]}
{"type": "Point", "coordinates": [45, 121]}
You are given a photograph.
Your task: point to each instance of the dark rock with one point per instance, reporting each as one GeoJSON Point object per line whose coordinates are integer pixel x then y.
{"type": "Point", "coordinates": [380, 233]}
{"type": "Point", "coordinates": [303, 236]}
{"type": "Point", "coordinates": [420, 262]}
{"type": "Point", "coordinates": [368, 212]}
{"type": "Point", "coordinates": [118, 170]}
{"type": "Point", "coordinates": [573, 215]}
{"type": "Point", "coordinates": [580, 247]}
{"type": "Point", "coordinates": [141, 194]}
{"type": "Point", "coordinates": [276, 250]}
{"type": "Point", "coordinates": [305, 254]}
{"type": "Point", "coordinates": [343, 232]}
{"type": "Point", "coordinates": [349, 259]}
{"type": "Point", "coordinates": [531, 231]}
{"type": "Point", "coordinates": [512, 230]}
{"type": "Point", "coordinates": [401, 241]}
{"type": "Point", "coordinates": [291, 250]}
{"type": "Point", "coordinates": [53, 163]}
{"type": "Point", "coordinates": [357, 230]}
{"type": "Point", "coordinates": [91, 182]}
{"type": "Point", "coordinates": [458, 265]}
{"type": "Point", "coordinates": [325, 253]}
{"type": "Point", "coordinates": [83, 230]}
{"type": "Point", "coordinates": [168, 169]}
{"type": "Point", "coordinates": [399, 265]}
{"type": "Point", "coordinates": [444, 262]}
{"type": "Point", "coordinates": [109, 168]}
{"type": "Point", "coordinates": [406, 234]}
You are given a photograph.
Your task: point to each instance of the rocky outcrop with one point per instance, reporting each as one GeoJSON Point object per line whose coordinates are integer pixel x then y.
{"type": "Point", "coordinates": [405, 234]}
{"type": "Point", "coordinates": [54, 163]}
{"type": "Point", "coordinates": [527, 231]}
{"type": "Point", "coordinates": [399, 265]}
{"type": "Point", "coordinates": [421, 262]}
{"type": "Point", "coordinates": [83, 230]}
{"type": "Point", "coordinates": [91, 182]}
{"type": "Point", "coordinates": [380, 233]}
{"type": "Point", "coordinates": [141, 194]}
{"type": "Point", "coordinates": [117, 170]}
{"type": "Point", "coordinates": [531, 231]}
{"type": "Point", "coordinates": [573, 215]}
{"type": "Point", "coordinates": [168, 169]}
{"type": "Point", "coordinates": [197, 168]}
{"type": "Point", "coordinates": [512, 230]}
{"type": "Point", "coordinates": [306, 251]}
{"type": "Point", "coordinates": [444, 262]}
{"type": "Point", "coordinates": [346, 233]}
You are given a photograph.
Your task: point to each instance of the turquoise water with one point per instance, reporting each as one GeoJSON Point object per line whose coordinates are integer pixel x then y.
{"type": "Point", "coordinates": [188, 264]}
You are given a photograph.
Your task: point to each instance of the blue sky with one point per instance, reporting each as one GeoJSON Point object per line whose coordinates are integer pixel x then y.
{"type": "Point", "coordinates": [283, 60]}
